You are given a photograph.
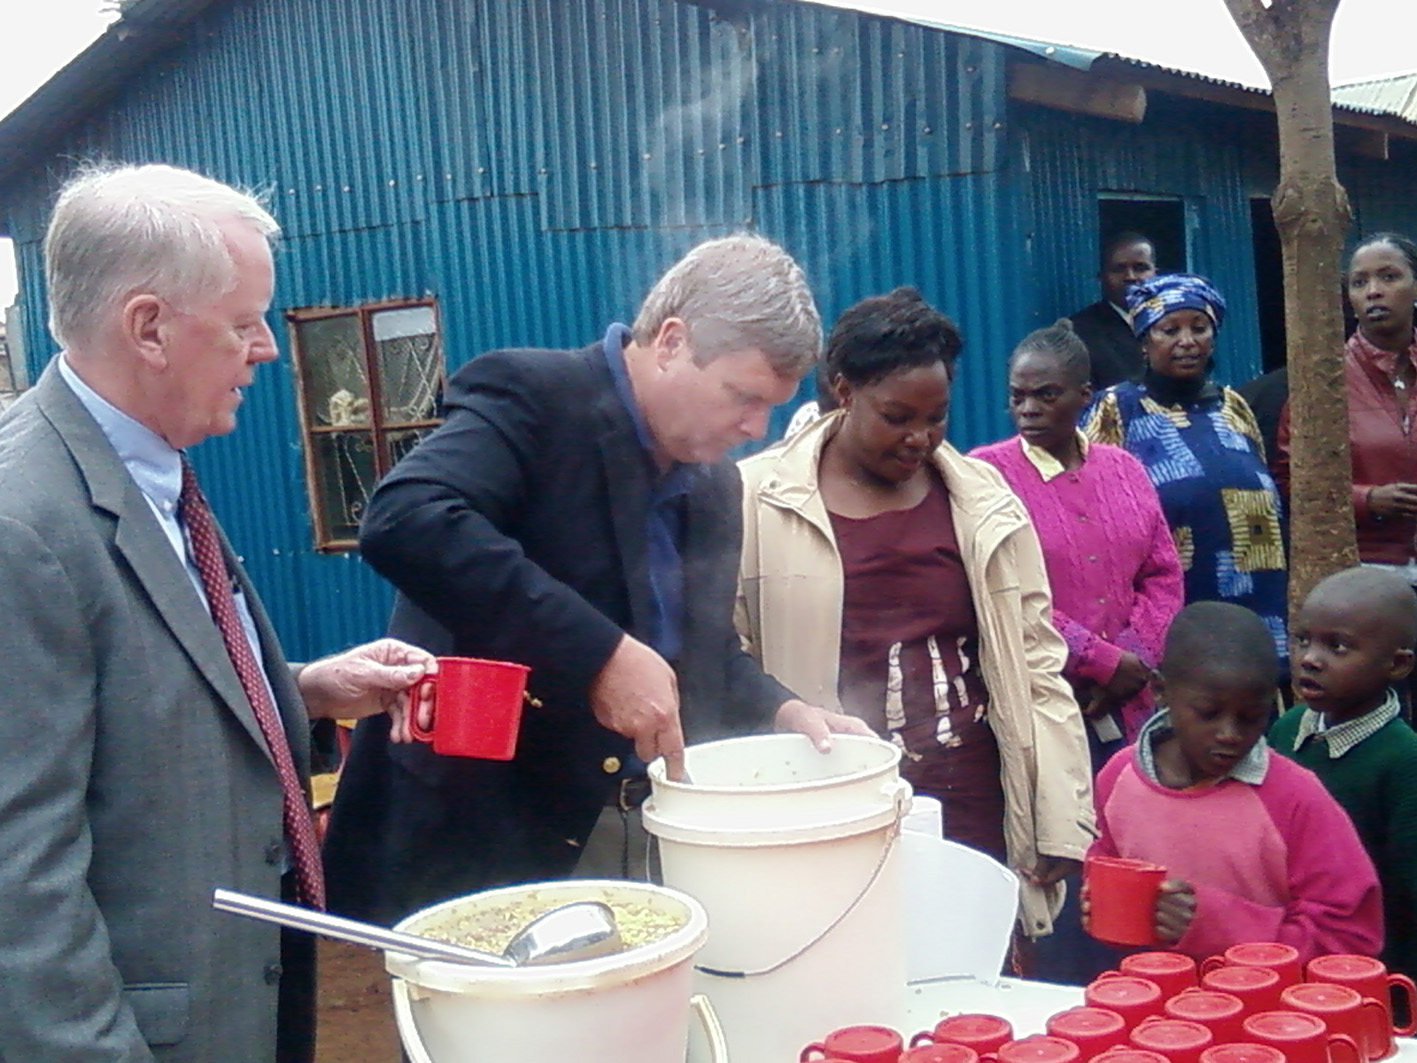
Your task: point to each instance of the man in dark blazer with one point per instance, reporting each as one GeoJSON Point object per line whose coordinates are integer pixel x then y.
{"type": "Point", "coordinates": [574, 513]}
{"type": "Point", "coordinates": [135, 775]}
{"type": "Point", "coordinates": [1127, 259]}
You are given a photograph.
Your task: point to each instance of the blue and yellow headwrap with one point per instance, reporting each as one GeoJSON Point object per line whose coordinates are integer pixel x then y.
{"type": "Point", "coordinates": [1155, 297]}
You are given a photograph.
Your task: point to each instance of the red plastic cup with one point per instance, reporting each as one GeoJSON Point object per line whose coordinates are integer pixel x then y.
{"type": "Point", "coordinates": [1283, 960]}
{"type": "Point", "coordinates": [857, 1044]}
{"type": "Point", "coordinates": [983, 1033]}
{"type": "Point", "coordinates": [1257, 987]}
{"type": "Point", "coordinates": [944, 1052]}
{"type": "Point", "coordinates": [1242, 1053]}
{"type": "Point", "coordinates": [1132, 998]}
{"type": "Point", "coordinates": [1178, 1040]}
{"type": "Point", "coordinates": [1093, 1030]}
{"type": "Point", "coordinates": [1371, 979]}
{"type": "Point", "coordinates": [1122, 899]}
{"type": "Point", "coordinates": [477, 707]}
{"type": "Point", "coordinates": [1174, 972]}
{"type": "Point", "coordinates": [1130, 1055]}
{"type": "Point", "coordinates": [1039, 1048]}
{"type": "Point", "coordinates": [1223, 1014]}
{"type": "Point", "coordinates": [1345, 1011]}
{"type": "Point", "coordinates": [1303, 1038]}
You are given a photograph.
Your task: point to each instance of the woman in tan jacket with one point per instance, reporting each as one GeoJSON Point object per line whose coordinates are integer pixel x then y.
{"type": "Point", "coordinates": [886, 574]}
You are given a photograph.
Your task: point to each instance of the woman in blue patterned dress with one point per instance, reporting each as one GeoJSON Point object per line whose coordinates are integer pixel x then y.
{"type": "Point", "coordinates": [1202, 449]}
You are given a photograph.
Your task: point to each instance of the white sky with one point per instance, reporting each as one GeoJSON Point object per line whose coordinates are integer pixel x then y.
{"type": "Point", "coordinates": [1371, 38]}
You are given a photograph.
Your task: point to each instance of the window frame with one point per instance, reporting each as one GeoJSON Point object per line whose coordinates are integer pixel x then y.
{"type": "Point", "coordinates": [326, 542]}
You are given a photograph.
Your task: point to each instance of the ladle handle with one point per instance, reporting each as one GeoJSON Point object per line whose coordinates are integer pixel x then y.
{"type": "Point", "coordinates": [336, 926]}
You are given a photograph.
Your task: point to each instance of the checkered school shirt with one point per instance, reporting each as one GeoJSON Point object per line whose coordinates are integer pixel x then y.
{"type": "Point", "coordinates": [1250, 768]}
{"type": "Point", "coordinates": [1344, 736]}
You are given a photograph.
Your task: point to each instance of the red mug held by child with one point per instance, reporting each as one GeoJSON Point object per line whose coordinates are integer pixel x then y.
{"type": "Point", "coordinates": [857, 1044]}
{"type": "Point", "coordinates": [983, 1033]}
{"type": "Point", "coordinates": [1223, 1014]}
{"type": "Point", "coordinates": [1093, 1030]}
{"type": "Point", "coordinates": [1172, 971]}
{"type": "Point", "coordinates": [1283, 960]}
{"type": "Point", "coordinates": [1132, 998]}
{"type": "Point", "coordinates": [477, 707]}
{"type": "Point", "coordinates": [1370, 979]}
{"type": "Point", "coordinates": [1121, 899]}
{"type": "Point", "coordinates": [1178, 1040]}
{"type": "Point", "coordinates": [1303, 1038]}
{"type": "Point", "coordinates": [1258, 988]}
{"type": "Point", "coordinates": [1344, 1011]}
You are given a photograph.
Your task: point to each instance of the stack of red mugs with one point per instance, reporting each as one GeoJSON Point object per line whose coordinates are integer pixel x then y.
{"type": "Point", "coordinates": [1254, 1004]}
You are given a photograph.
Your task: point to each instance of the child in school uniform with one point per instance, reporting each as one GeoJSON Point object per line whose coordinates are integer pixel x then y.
{"type": "Point", "coordinates": [1352, 644]}
{"type": "Point", "coordinates": [1254, 847]}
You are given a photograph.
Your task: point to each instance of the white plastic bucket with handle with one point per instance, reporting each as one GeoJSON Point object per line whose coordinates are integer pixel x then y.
{"type": "Point", "coordinates": [795, 855]}
{"type": "Point", "coordinates": [629, 1007]}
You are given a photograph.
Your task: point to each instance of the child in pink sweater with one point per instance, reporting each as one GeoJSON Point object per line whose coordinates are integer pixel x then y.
{"type": "Point", "coordinates": [1255, 848]}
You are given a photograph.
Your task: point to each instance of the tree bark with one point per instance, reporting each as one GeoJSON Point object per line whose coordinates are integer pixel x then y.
{"type": "Point", "coordinates": [1312, 213]}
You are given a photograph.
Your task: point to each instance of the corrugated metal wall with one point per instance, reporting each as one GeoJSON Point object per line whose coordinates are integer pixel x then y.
{"type": "Point", "coordinates": [535, 165]}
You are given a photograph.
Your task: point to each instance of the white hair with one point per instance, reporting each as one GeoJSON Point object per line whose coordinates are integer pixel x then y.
{"type": "Point", "coordinates": [738, 293]}
{"type": "Point", "coordinates": [117, 231]}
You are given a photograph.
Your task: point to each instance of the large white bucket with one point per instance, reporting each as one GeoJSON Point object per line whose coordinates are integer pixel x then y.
{"type": "Point", "coordinates": [629, 1007]}
{"type": "Point", "coordinates": [796, 856]}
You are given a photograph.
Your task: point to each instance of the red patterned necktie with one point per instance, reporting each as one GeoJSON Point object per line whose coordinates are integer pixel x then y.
{"type": "Point", "coordinates": [216, 580]}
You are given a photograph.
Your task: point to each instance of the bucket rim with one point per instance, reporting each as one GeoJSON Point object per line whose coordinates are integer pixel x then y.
{"type": "Point", "coordinates": [619, 968]}
{"type": "Point", "coordinates": [658, 778]}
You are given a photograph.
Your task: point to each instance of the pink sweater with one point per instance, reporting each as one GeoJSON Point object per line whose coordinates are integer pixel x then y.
{"type": "Point", "coordinates": [1111, 561]}
{"type": "Point", "coordinates": [1275, 862]}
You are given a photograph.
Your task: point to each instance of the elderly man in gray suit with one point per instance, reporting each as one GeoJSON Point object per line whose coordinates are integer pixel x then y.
{"type": "Point", "coordinates": [153, 740]}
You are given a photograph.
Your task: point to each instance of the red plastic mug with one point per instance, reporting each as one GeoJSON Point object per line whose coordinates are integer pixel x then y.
{"type": "Point", "coordinates": [1242, 1053]}
{"type": "Point", "coordinates": [1132, 998]}
{"type": "Point", "coordinates": [944, 1052]}
{"type": "Point", "coordinates": [1040, 1048]}
{"type": "Point", "coordinates": [1093, 1030]}
{"type": "Point", "coordinates": [1121, 899]}
{"type": "Point", "coordinates": [1223, 1014]}
{"type": "Point", "coordinates": [477, 707]}
{"type": "Point", "coordinates": [1172, 971]}
{"type": "Point", "coordinates": [1371, 979]}
{"type": "Point", "coordinates": [983, 1033]}
{"type": "Point", "coordinates": [1178, 1040]}
{"type": "Point", "coordinates": [857, 1044]}
{"type": "Point", "coordinates": [1344, 1011]}
{"type": "Point", "coordinates": [1257, 987]}
{"type": "Point", "coordinates": [1283, 960]}
{"type": "Point", "coordinates": [1130, 1055]}
{"type": "Point", "coordinates": [1303, 1038]}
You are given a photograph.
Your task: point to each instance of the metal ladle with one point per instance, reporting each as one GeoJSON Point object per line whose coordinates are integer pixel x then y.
{"type": "Point", "coordinates": [580, 930]}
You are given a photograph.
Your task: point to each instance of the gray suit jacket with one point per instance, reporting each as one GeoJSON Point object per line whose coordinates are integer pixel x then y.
{"type": "Point", "coordinates": [133, 775]}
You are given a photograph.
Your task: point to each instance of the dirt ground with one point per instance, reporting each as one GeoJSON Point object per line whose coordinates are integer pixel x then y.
{"type": "Point", "coordinates": [355, 1016]}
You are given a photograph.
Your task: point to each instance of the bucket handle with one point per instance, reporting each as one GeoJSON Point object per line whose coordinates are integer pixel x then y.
{"type": "Point", "coordinates": [899, 792]}
{"type": "Point", "coordinates": [713, 1029]}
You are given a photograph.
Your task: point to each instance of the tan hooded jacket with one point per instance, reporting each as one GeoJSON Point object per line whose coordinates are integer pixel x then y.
{"type": "Point", "coordinates": [789, 615]}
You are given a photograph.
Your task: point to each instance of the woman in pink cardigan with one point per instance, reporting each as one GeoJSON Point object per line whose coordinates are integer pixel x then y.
{"type": "Point", "coordinates": [1112, 564]}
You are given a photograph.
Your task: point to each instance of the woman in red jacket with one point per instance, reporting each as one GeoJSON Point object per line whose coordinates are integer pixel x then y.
{"type": "Point", "coordinates": [1380, 366]}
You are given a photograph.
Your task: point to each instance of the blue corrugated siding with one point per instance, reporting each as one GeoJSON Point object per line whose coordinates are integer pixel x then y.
{"type": "Point", "coordinates": [1195, 154]}
{"type": "Point", "coordinates": [535, 165]}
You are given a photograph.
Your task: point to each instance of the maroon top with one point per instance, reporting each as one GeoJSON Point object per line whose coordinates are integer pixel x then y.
{"type": "Point", "coordinates": [910, 660]}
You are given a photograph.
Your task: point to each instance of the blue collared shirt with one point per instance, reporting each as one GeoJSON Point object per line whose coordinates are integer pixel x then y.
{"type": "Point", "coordinates": [157, 470]}
{"type": "Point", "coordinates": [664, 525]}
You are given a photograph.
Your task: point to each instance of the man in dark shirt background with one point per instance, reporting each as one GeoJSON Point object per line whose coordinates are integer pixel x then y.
{"type": "Point", "coordinates": [1128, 258]}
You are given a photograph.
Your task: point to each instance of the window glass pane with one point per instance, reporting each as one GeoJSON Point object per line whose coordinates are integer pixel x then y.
{"type": "Point", "coordinates": [332, 363]}
{"type": "Point", "coordinates": [409, 356]}
{"type": "Point", "coordinates": [344, 479]}
{"type": "Point", "coordinates": [401, 441]}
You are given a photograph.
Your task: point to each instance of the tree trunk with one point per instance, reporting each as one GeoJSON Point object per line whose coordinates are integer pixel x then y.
{"type": "Point", "coordinates": [1311, 211]}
